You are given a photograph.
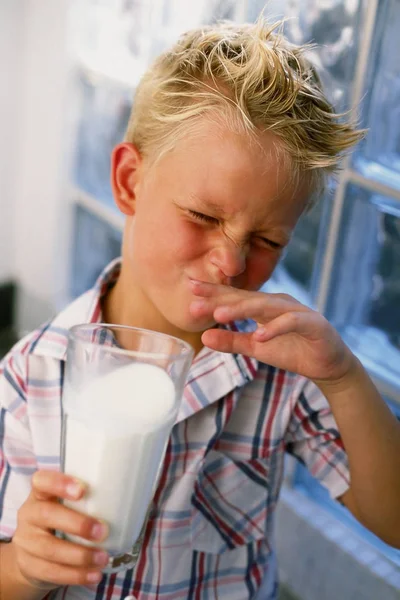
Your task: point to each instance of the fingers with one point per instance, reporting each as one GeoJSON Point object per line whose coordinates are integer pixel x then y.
{"type": "Point", "coordinates": [208, 290]}
{"type": "Point", "coordinates": [226, 292]}
{"type": "Point", "coordinates": [37, 569]}
{"type": "Point", "coordinates": [290, 322]}
{"type": "Point", "coordinates": [305, 323]}
{"type": "Point", "coordinates": [229, 341]}
{"type": "Point", "coordinates": [47, 547]}
{"type": "Point", "coordinates": [44, 559]}
{"type": "Point", "coordinates": [49, 516]}
{"type": "Point", "coordinates": [52, 484]}
{"type": "Point", "coordinates": [42, 511]}
{"type": "Point", "coordinates": [257, 306]}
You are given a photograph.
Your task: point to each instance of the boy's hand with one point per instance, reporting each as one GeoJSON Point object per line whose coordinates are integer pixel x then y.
{"type": "Point", "coordinates": [289, 336]}
{"type": "Point", "coordinates": [43, 560]}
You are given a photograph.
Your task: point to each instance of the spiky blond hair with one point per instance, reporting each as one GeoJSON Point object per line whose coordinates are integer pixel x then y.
{"type": "Point", "coordinates": [256, 80]}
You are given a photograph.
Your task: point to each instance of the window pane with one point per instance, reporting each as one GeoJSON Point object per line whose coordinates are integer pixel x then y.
{"type": "Point", "coordinates": [110, 36]}
{"type": "Point", "coordinates": [334, 25]}
{"type": "Point", "coordinates": [103, 117]}
{"type": "Point", "coordinates": [365, 295]}
{"type": "Point", "coordinates": [95, 244]}
{"type": "Point", "coordinates": [380, 153]}
{"type": "Point", "coordinates": [179, 16]}
{"type": "Point", "coordinates": [300, 256]}
{"type": "Point", "coordinates": [221, 9]}
{"type": "Point", "coordinates": [297, 272]}
{"type": "Point", "coordinates": [272, 9]}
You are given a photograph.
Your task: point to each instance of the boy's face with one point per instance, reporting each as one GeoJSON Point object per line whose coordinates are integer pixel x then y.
{"type": "Point", "coordinates": [216, 208]}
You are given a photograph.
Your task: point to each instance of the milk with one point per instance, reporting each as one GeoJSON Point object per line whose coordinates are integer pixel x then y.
{"type": "Point", "coordinates": [117, 429]}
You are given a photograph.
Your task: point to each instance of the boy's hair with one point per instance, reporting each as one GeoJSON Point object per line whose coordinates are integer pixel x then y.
{"type": "Point", "coordinates": [256, 80]}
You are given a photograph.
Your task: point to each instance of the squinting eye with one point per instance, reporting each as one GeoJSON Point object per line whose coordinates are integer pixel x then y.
{"type": "Point", "coordinates": [201, 217]}
{"type": "Point", "coordinates": [270, 243]}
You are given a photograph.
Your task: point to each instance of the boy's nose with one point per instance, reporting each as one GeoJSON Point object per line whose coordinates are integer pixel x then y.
{"type": "Point", "coordinates": [228, 260]}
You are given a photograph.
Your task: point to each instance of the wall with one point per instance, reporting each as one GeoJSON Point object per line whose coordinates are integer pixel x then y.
{"type": "Point", "coordinates": [10, 58]}
{"type": "Point", "coordinates": [38, 173]}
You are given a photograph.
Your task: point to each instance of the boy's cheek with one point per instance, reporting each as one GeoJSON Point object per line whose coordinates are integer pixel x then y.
{"type": "Point", "coordinates": [258, 271]}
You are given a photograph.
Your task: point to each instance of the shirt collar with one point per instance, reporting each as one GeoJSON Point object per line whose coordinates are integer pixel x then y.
{"type": "Point", "coordinates": [212, 375]}
{"type": "Point", "coordinates": [52, 338]}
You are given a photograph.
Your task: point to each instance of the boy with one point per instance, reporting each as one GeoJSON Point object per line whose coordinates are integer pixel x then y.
{"type": "Point", "coordinates": [229, 139]}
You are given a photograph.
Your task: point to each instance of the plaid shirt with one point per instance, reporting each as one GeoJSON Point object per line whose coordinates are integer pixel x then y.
{"type": "Point", "coordinates": [210, 535]}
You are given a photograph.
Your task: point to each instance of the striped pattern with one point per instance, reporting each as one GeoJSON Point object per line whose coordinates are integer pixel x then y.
{"type": "Point", "coordinates": [210, 535]}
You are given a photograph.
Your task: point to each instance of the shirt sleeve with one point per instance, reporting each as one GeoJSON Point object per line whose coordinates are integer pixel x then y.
{"type": "Point", "coordinates": [313, 438]}
{"type": "Point", "coordinates": [17, 459]}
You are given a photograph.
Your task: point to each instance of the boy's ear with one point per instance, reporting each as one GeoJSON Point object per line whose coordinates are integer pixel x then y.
{"type": "Point", "coordinates": [125, 163]}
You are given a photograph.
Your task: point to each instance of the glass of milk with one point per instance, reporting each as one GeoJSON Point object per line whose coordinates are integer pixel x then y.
{"type": "Point", "coordinates": [122, 391]}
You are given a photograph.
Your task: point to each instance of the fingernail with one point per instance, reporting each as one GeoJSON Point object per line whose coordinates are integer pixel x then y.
{"type": "Point", "coordinates": [74, 489]}
{"type": "Point", "coordinates": [260, 333]}
{"type": "Point", "coordinates": [100, 558]}
{"type": "Point", "coordinates": [36, 478]}
{"type": "Point", "coordinates": [99, 531]}
{"type": "Point", "coordinates": [94, 577]}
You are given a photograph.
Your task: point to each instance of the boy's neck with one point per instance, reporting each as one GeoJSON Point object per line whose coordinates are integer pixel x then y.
{"type": "Point", "coordinates": [116, 311]}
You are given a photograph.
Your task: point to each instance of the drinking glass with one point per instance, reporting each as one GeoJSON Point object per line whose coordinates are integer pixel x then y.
{"type": "Point", "coordinates": [122, 391]}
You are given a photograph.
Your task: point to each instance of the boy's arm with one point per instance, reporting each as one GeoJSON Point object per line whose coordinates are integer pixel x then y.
{"type": "Point", "coordinates": [12, 584]}
{"type": "Point", "coordinates": [371, 437]}
{"type": "Point", "coordinates": [293, 337]}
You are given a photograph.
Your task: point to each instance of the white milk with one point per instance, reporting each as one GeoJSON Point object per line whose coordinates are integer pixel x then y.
{"type": "Point", "coordinates": [116, 434]}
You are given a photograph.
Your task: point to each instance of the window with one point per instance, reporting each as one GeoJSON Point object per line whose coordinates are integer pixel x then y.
{"type": "Point", "coordinates": [364, 297]}
{"type": "Point", "coordinates": [356, 281]}
{"type": "Point", "coordinates": [379, 155]}
{"type": "Point", "coordinates": [103, 116]}
{"type": "Point", "coordinates": [335, 27]}
{"type": "Point", "coordinates": [346, 258]}
{"type": "Point", "coordinates": [98, 242]}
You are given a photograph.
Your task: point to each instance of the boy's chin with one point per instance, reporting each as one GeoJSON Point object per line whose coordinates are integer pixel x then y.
{"type": "Point", "coordinates": [192, 325]}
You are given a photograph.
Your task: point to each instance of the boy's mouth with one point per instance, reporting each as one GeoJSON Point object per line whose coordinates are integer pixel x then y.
{"type": "Point", "coordinates": [196, 281]}
{"type": "Point", "coordinates": [225, 281]}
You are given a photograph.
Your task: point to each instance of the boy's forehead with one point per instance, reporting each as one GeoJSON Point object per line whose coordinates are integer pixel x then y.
{"type": "Point", "coordinates": [215, 129]}
{"type": "Point", "coordinates": [217, 208]}
{"type": "Point", "coordinates": [216, 147]}
{"type": "Point", "coordinates": [218, 169]}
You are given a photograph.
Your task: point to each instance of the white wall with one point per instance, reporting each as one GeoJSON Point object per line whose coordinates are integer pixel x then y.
{"type": "Point", "coordinates": [35, 180]}
{"type": "Point", "coordinates": [10, 59]}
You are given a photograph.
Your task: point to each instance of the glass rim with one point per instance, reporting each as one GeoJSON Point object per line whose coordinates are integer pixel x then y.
{"type": "Point", "coordinates": [187, 349]}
